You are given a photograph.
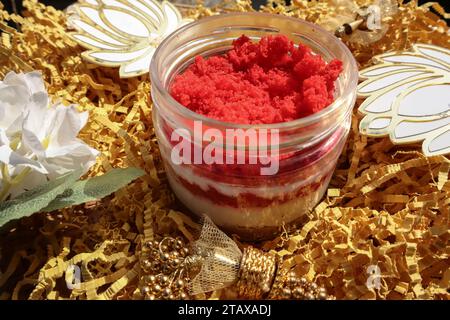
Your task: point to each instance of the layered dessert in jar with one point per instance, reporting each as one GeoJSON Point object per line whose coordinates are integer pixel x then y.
{"type": "Point", "coordinates": [251, 121]}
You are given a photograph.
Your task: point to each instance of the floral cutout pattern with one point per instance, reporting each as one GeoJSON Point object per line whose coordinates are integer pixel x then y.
{"type": "Point", "coordinates": [408, 98]}
{"type": "Point", "coordinates": [123, 33]}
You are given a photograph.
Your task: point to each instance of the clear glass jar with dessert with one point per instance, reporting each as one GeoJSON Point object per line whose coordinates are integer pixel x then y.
{"type": "Point", "coordinates": [239, 197]}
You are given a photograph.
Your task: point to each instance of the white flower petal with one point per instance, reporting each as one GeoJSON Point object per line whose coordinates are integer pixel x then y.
{"type": "Point", "coordinates": [382, 102]}
{"type": "Point", "coordinates": [434, 52]}
{"type": "Point", "coordinates": [410, 58]}
{"type": "Point", "coordinates": [34, 84]}
{"type": "Point", "coordinates": [18, 92]}
{"type": "Point", "coordinates": [7, 156]}
{"type": "Point", "coordinates": [33, 180]}
{"type": "Point", "coordinates": [66, 127]}
{"type": "Point", "coordinates": [76, 149]}
{"type": "Point", "coordinates": [380, 123]}
{"type": "Point", "coordinates": [133, 68]}
{"type": "Point", "coordinates": [377, 70]}
{"type": "Point", "coordinates": [92, 43]}
{"type": "Point", "coordinates": [128, 22]}
{"type": "Point", "coordinates": [37, 120]}
{"type": "Point", "coordinates": [31, 80]}
{"type": "Point", "coordinates": [70, 158]}
{"type": "Point", "coordinates": [4, 140]}
{"type": "Point", "coordinates": [376, 84]}
{"type": "Point", "coordinates": [172, 16]}
{"type": "Point", "coordinates": [151, 10]}
{"type": "Point", "coordinates": [13, 100]}
{"type": "Point", "coordinates": [94, 16]}
{"type": "Point", "coordinates": [40, 99]}
{"type": "Point", "coordinates": [115, 3]}
{"type": "Point", "coordinates": [438, 144]}
{"type": "Point", "coordinates": [14, 95]}
{"type": "Point", "coordinates": [32, 142]}
{"type": "Point", "coordinates": [375, 126]}
{"type": "Point", "coordinates": [150, 13]}
{"type": "Point", "coordinates": [93, 2]}
{"type": "Point", "coordinates": [414, 131]}
{"type": "Point", "coordinates": [96, 33]}
{"type": "Point", "coordinates": [113, 58]}
{"type": "Point", "coordinates": [417, 103]}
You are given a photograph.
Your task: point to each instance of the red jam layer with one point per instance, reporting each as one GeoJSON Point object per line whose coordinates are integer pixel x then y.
{"type": "Point", "coordinates": [271, 81]}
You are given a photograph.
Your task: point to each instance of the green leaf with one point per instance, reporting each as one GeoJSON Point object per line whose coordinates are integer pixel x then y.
{"type": "Point", "coordinates": [95, 188]}
{"type": "Point", "coordinates": [34, 200]}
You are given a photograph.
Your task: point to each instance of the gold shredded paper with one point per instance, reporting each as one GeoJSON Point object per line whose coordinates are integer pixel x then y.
{"type": "Point", "coordinates": [387, 208]}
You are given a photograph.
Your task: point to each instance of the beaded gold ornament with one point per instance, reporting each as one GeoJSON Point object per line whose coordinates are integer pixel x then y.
{"type": "Point", "coordinates": [164, 264]}
{"type": "Point", "coordinates": [172, 270]}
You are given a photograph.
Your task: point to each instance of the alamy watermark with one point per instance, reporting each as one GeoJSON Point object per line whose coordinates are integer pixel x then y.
{"type": "Point", "coordinates": [374, 279]}
{"type": "Point", "coordinates": [73, 277]}
{"type": "Point", "coordinates": [234, 146]}
{"type": "Point", "coordinates": [372, 16]}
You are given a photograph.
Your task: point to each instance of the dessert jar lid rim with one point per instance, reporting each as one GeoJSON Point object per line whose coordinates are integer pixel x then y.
{"type": "Point", "coordinates": [349, 88]}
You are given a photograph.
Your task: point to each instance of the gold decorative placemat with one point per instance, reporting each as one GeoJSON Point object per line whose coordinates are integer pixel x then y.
{"type": "Point", "coordinates": [387, 207]}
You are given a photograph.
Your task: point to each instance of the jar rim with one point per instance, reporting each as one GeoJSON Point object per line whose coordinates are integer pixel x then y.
{"type": "Point", "coordinates": [348, 89]}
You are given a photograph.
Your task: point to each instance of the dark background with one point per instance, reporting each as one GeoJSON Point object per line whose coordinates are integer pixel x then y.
{"type": "Point", "coordinates": [61, 4]}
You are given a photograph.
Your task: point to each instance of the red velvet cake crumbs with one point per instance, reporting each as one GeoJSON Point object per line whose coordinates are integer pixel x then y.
{"type": "Point", "coordinates": [258, 83]}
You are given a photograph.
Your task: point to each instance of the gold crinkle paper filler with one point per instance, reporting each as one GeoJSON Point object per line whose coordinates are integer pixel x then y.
{"type": "Point", "coordinates": [387, 206]}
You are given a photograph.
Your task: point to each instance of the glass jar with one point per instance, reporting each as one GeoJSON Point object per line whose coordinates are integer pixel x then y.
{"type": "Point", "coordinates": [238, 197]}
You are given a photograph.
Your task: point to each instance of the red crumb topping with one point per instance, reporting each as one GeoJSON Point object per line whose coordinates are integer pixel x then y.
{"type": "Point", "coordinates": [258, 83]}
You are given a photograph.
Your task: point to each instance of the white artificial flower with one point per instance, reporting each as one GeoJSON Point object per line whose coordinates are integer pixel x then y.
{"type": "Point", "coordinates": [38, 140]}
{"type": "Point", "coordinates": [16, 92]}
